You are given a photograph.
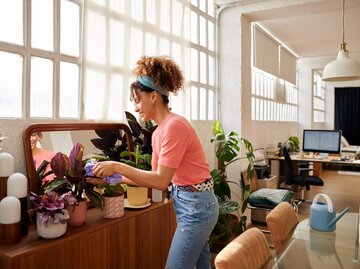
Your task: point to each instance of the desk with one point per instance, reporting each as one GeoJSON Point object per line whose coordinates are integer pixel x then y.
{"type": "Point", "coordinates": [309, 248]}
{"type": "Point", "coordinates": [275, 162]}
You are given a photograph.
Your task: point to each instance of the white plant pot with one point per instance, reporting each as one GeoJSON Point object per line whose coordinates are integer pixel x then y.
{"type": "Point", "coordinates": [51, 230]}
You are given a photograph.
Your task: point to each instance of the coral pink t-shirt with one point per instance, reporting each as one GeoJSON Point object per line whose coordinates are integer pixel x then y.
{"type": "Point", "coordinates": [44, 155]}
{"type": "Point", "coordinates": [176, 145]}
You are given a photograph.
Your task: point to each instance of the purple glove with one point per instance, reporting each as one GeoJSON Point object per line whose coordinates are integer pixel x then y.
{"type": "Point", "coordinates": [116, 178]}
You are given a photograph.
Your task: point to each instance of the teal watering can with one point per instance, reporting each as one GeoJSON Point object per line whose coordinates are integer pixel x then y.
{"type": "Point", "coordinates": [323, 215]}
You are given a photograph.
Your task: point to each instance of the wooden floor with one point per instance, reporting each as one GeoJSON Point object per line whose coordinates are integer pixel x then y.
{"type": "Point", "coordinates": [343, 190]}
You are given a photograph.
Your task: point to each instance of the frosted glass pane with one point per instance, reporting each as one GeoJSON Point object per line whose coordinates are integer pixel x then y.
{"type": "Point", "coordinates": [11, 13]}
{"type": "Point", "coordinates": [164, 47]}
{"type": "Point", "coordinates": [136, 45]}
{"type": "Point", "coordinates": [41, 87]}
{"type": "Point", "coordinates": [211, 9]}
{"type": "Point", "coordinates": [94, 97]}
{"type": "Point", "coordinates": [165, 16]}
{"type": "Point", "coordinates": [137, 10]}
{"type": "Point", "coordinates": [194, 27]}
{"type": "Point", "coordinates": [210, 105]}
{"type": "Point", "coordinates": [211, 39]}
{"type": "Point", "coordinates": [151, 11]}
{"type": "Point", "coordinates": [117, 92]}
{"type": "Point", "coordinates": [194, 103]}
{"type": "Point", "coordinates": [203, 101]}
{"type": "Point", "coordinates": [42, 25]}
{"type": "Point", "coordinates": [117, 43]}
{"type": "Point", "coordinates": [194, 2]}
{"type": "Point", "coordinates": [70, 28]}
{"type": "Point", "coordinates": [96, 38]}
{"type": "Point", "coordinates": [10, 85]}
{"type": "Point", "coordinates": [176, 52]}
{"type": "Point", "coordinates": [117, 5]}
{"type": "Point", "coordinates": [203, 31]}
{"type": "Point", "coordinates": [177, 18]}
{"type": "Point", "coordinates": [69, 90]}
{"type": "Point", "coordinates": [194, 65]}
{"type": "Point", "coordinates": [187, 25]}
{"type": "Point", "coordinates": [150, 41]}
{"type": "Point", "coordinates": [203, 67]}
{"type": "Point", "coordinates": [202, 5]}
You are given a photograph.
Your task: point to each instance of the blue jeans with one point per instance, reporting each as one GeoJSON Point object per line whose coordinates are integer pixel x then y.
{"type": "Point", "coordinates": [196, 215]}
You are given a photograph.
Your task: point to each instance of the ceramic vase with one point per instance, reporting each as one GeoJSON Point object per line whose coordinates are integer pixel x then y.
{"type": "Point", "coordinates": [137, 196]}
{"type": "Point", "coordinates": [77, 213]}
{"type": "Point", "coordinates": [49, 230]}
{"type": "Point", "coordinates": [113, 207]}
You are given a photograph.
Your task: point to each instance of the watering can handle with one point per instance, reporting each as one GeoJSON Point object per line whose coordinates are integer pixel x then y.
{"type": "Point", "coordinates": [328, 201]}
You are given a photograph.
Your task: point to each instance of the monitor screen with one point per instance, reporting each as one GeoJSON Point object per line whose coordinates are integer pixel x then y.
{"type": "Point", "coordinates": [327, 141]}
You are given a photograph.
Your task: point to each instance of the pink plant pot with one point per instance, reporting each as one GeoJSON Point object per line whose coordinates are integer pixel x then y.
{"type": "Point", "coordinates": [77, 213]}
{"type": "Point", "coordinates": [113, 207]}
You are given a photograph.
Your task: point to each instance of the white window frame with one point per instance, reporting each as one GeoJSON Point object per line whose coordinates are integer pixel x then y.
{"type": "Point", "coordinates": [27, 52]}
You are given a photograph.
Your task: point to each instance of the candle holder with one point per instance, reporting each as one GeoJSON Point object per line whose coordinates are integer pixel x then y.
{"type": "Point", "coordinates": [10, 221]}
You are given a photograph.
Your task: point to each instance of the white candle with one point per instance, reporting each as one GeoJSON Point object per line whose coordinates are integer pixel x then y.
{"type": "Point", "coordinates": [17, 185]}
{"type": "Point", "coordinates": [6, 164]}
{"type": "Point", "coordinates": [10, 210]}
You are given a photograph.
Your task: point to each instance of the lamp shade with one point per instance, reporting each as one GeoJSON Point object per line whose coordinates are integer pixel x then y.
{"type": "Point", "coordinates": [342, 69]}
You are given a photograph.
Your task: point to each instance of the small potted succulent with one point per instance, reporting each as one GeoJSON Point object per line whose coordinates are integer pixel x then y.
{"type": "Point", "coordinates": [51, 215]}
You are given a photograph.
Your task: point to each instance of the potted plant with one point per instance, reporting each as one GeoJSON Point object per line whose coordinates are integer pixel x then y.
{"type": "Point", "coordinates": [51, 215]}
{"type": "Point", "coordinates": [292, 144]}
{"type": "Point", "coordinates": [137, 196]}
{"type": "Point", "coordinates": [113, 196]}
{"type": "Point", "coordinates": [227, 148]}
{"type": "Point", "coordinates": [70, 176]}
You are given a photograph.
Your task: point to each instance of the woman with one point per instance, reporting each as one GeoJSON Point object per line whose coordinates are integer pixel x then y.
{"type": "Point", "coordinates": [39, 155]}
{"type": "Point", "coordinates": [178, 158]}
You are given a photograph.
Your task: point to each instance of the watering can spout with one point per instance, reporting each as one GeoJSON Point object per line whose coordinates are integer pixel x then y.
{"type": "Point", "coordinates": [338, 217]}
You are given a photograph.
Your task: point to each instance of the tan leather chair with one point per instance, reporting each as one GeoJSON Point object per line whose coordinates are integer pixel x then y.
{"type": "Point", "coordinates": [281, 221]}
{"type": "Point", "coordinates": [249, 250]}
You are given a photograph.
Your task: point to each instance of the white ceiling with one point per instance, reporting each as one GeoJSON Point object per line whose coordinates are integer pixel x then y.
{"type": "Point", "coordinates": [310, 28]}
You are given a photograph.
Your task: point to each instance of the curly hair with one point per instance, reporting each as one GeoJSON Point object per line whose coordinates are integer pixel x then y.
{"type": "Point", "coordinates": [163, 70]}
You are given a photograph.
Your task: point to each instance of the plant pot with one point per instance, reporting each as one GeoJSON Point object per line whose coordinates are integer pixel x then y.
{"type": "Point", "coordinates": [50, 230]}
{"type": "Point", "coordinates": [113, 207]}
{"type": "Point", "coordinates": [137, 196]}
{"type": "Point", "coordinates": [77, 213]}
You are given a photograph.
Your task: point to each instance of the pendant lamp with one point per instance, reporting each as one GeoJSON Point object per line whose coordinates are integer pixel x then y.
{"type": "Point", "coordinates": [343, 68]}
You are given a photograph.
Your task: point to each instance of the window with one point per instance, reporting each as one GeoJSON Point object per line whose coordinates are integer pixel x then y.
{"type": "Point", "coordinates": [202, 84]}
{"type": "Point", "coordinates": [318, 98]}
{"type": "Point", "coordinates": [117, 33]}
{"type": "Point", "coordinates": [274, 91]}
{"type": "Point", "coordinates": [273, 99]}
{"type": "Point", "coordinates": [40, 76]}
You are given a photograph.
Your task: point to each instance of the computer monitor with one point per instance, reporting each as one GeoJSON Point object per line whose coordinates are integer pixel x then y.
{"type": "Point", "coordinates": [326, 141]}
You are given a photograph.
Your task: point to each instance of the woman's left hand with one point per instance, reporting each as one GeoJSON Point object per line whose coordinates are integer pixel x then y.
{"type": "Point", "coordinates": [104, 169]}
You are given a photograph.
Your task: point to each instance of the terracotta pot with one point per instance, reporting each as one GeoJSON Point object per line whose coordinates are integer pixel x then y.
{"type": "Point", "coordinates": [77, 213]}
{"type": "Point", "coordinates": [50, 230]}
{"type": "Point", "coordinates": [113, 207]}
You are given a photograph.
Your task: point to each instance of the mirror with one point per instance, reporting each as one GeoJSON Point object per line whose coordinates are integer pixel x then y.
{"type": "Point", "coordinates": [60, 137]}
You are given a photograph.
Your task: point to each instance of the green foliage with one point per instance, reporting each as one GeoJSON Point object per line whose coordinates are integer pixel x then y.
{"type": "Point", "coordinates": [227, 148]}
{"type": "Point", "coordinates": [294, 140]}
{"type": "Point", "coordinates": [136, 159]}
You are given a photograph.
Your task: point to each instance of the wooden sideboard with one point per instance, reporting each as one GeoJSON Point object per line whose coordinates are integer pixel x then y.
{"type": "Point", "coordinates": [138, 240]}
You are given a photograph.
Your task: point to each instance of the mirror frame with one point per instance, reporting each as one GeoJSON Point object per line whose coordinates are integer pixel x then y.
{"type": "Point", "coordinates": [53, 127]}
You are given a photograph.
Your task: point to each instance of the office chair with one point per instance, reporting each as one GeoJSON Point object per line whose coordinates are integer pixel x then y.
{"type": "Point", "coordinates": [250, 250]}
{"type": "Point", "coordinates": [302, 179]}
